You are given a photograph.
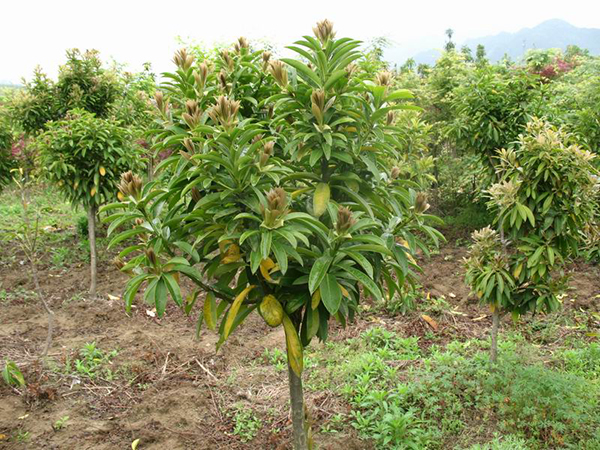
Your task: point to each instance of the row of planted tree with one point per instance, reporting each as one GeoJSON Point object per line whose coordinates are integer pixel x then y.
{"type": "Point", "coordinates": [296, 187]}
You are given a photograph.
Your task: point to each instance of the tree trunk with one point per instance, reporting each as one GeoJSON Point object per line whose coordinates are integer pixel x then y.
{"type": "Point", "coordinates": [297, 400]}
{"type": "Point", "coordinates": [50, 313]}
{"type": "Point", "coordinates": [495, 324]}
{"type": "Point", "coordinates": [92, 239]}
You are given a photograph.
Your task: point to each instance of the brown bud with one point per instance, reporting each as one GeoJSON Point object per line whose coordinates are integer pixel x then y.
{"type": "Point", "coordinates": [241, 44]}
{"type": "Point", "coordinates": [196, 194]}
{"type": "Point", "coordinates": [351, 68]}
{"type": "Point", "coordinates": [266, 57]}
{"type": "Point", "coordinates": [276, 199]}
{"type": "Point", "coordinates": [279, 72]}
{"type": "Point", "coordinates": [264, 158]}
{"type": "Point", "coordinates": [395, 173]}
{"type": "Point", "coordinates": [189, 145]}
{"type": "Point", "coordinates": [389, 120]}
{"type": "Point", "coordinates": [227, 59]}
{"type": "Point", "coordinates": [324, 31]}
{"type": "Point", "coordinates": [421, 204]}
{"type": "Point", "coordinates": [223, 79]}
{"type": "Point", "coordinates": [183, 60]}
{"type": "Point", "coordinates": [151, 256]}
{"type": "Point", "coordinates": [224, 112]}
{"type": "Point", "coordinates": [160, 101]}
{"type": "Point", "coordinates": [257, 138]}
{"type": "Point", "coordinates": [139, 221]}
{"type": "Point", "coordinates": [317, 99]}
{"type": "Point", "coordinates": [344, 220]}
{"type": "Point", "coordinates": [268, 147]}
{"type": "Point", "coordinates": [130, 185]}
{"type": "Point", "coordinates": [202, 75]}
{"type": "Point", "coordinates": [118, 262]}
{"type": "Point", "coordinates": [383, 78]}
{"type": "Point", "coordinates": [191, 107]}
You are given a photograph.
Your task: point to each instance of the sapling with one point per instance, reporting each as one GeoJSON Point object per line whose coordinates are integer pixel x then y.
{"type": "Point", "coordinates": [27, 237]}
{"type": "Point", "coordinates": [543, 204]}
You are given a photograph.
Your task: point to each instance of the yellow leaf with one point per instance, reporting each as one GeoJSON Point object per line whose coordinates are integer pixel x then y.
{"type": "Point", "coordinates": [209, 313]}
{"type": "Point", "coordinates": [321, 199]}
{"type": "Point", "coordinates": [230, 252]}
{"type": "Point", "coordinates": [233, 310]}
{"type": "Point", "coordinates": [102, 171]}
{"type": "Point", "coordinates": [267, 266]}
{"type": "Point", "coordinates": [316, 299]}
{"type": "Point", "coordinates": [135, 444]}
{"type": "Point", "coordinates": [432, 323]}
{"type": "Point", "coordinates": [518, 270]}
{"type": "Point", "coordinates": [3, 436]}
{"type": "Point", "coordinates": [345, 293]}
{"type": "Point", "coordinates": [294, 347]}
{"type": "Point", "coordinates": [120, 196]}
{"type": "Point", "coordinates": [271, 310]}
{"type": "Point", "coordinates": [93, 192]}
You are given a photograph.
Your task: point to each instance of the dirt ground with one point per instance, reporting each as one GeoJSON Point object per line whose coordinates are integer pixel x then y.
{"type": "Point", "coordinates": [171, 391]}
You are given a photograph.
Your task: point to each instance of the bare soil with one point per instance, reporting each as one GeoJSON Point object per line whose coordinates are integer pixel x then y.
{"type": "Point", "coordinates": [172, 391]}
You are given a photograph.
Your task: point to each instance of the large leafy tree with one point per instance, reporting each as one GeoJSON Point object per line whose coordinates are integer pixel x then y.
{"type": "Point", "coordinates": [278, 198]}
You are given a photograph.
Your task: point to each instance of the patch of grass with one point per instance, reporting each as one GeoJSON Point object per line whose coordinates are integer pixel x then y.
{"type": "Point", "coordinates": [450, 396]}
{"type": "Point", "coordinates": [246, 423]}
{"type": "Point", "coordinates": [470, 217]}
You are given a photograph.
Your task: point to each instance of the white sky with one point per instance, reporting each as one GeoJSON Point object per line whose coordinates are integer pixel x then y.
{"type": "Point", "coordinates": [133, 32]}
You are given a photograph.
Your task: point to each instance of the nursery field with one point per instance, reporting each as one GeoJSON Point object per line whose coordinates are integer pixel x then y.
{"type": "Point", "coordinates": [422, 374]}
{"type": "Point", "coordinates": [315, 252]}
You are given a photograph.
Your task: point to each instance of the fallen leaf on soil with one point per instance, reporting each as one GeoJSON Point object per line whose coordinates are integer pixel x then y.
{"type": "Point", "coordinates": [151, 313]}
{"type": "Point", "coordinates": [432, 323]}
{"type": "Point", "coordinates": [477, 319]}
{"type": "Point", "coordinates": [452, 294]}
{"type": "Point", "coordinates": [113, 298]}
{"type": "Point", "coordinates": [24, 417]}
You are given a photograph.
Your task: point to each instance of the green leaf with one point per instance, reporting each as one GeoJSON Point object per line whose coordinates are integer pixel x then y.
{"type": "Point", "coordinates": [331, 294]}
{"type": "Point", "coordinates": [160, 297]}
{"type": "Point", "coordinates": [318, 272]}
{"type": "Point", "coordinates": [367, 282]}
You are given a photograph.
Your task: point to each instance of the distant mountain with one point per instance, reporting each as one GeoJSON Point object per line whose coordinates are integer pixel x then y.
{"type": "Point", "coordinates": [553, 33]}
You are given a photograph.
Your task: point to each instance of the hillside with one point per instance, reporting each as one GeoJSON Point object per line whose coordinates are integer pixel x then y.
{"type": "Point", "coordinates": [553, 33]}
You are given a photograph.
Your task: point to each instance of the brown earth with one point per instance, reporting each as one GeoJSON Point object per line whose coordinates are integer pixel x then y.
{"type": "Point", "coordinates": [172, 391]}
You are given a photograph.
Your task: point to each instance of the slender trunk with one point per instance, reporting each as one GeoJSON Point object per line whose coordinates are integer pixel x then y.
{"type": "Point", "coordinates": [297, 400]}
{"type": "Point", "coordinates": [92, 239]}
{"type": "Point", "coordinates": [30, 248]}
{"type": "Point", "coordinates": [50, 313]}
{"type": "Point", "coordinates": [495, 324]}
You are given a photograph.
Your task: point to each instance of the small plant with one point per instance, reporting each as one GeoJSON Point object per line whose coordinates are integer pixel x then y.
{"type": "Point", "coordinates": [92, 362]}
{"type": "Point", "coordinates": [246, 424]}
{"type": "Point", "coordinates": [12, 375]}
{"type": "Point", "coordinates": [277, 358]}
{"type": "Point", "coordinates": [60, 423]}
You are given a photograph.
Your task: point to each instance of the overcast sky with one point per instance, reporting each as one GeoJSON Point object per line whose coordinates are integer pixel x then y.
{"type": "Point", "coordinates": [133, 32]}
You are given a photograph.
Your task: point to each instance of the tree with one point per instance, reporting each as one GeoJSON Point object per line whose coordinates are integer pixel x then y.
{"type": "Point", "coordinates": [542, 206]}
{"type": "Point", "coordinates": [284, 204]}
{"type": "Point", "coordinates": [84, 156]}
{"type": "Point", "coordinates": [450, 45]}
{"type": "Point", "coordinates": [490, 109]}
{"type": "Point", "coordinates": [85, 98]}
{"type": "Point", "coordinates": [480, 58]}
